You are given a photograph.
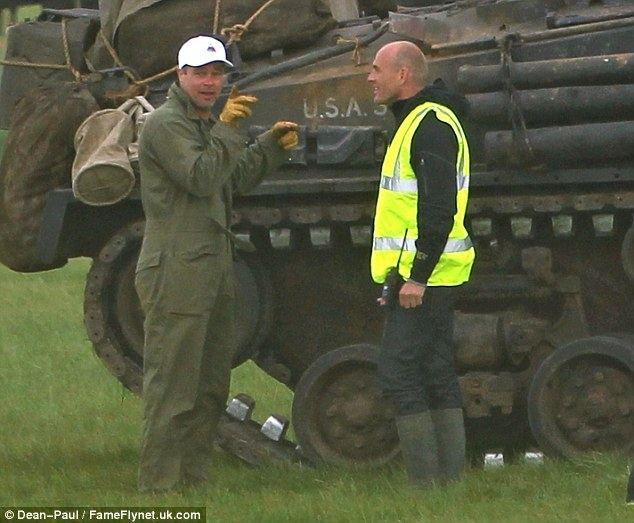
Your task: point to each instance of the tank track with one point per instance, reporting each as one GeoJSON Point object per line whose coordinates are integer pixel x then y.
{"type": "Point", "coordinates": [602, 208]}
{"type": "Point", "coordinates": [107, 339]}
{"type": "Point", "coordinates": [520, 220]}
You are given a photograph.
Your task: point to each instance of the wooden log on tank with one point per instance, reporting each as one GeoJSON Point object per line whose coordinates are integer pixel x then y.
{"type": "Point", "coordinates": [574, 144]}
{"type": "Point", "coordinates": [560, 105]}
{"type": "Point", "coordinates": [586, 70]}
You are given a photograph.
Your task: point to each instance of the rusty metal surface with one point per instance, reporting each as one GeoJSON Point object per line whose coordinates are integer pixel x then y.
{"type": "Point", "coordinates": [339, 413]}
{"type": "Point", "coordinates": [465, 26]}
{"type": "Point", "coordinates": [582, 398]}
{"type": "Point", "coordinates": [586, 70]}
{"type": "Point", "coordinates": [482, 392]}
{"type": "Point", "coordinates": [566, 145]}
{"type": "Point", "coordinates": [595, 398]}
{"type": "Point", "coordinates": [561, 105]}
{"type": "Point", "coordinates": [495, 341]}
{"type": "Point", "coordinates": [477, 341]}
{"type": "Point", "coordinates": [245, 440]}
{"type": "Point", "coordinates": [523, 334]}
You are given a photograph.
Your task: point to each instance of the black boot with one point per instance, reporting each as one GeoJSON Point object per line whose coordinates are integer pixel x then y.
{"type": "Point", "coordinates": [450, 437]}
{"type": "Point", "coordinates": [419, 449]}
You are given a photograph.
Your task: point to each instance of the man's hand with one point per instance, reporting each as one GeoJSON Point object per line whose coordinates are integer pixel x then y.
{"type": "Point", "coordinates": [237, 107]}
{"type": "Point", "coordinates": [286, 134]}
{"type": "Point", "coordinates": [411, 294]}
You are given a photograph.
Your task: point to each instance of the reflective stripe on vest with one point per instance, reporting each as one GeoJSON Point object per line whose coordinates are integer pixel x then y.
{"type": "Point", "coordinates": [395, 244]}
{"type": "Point", "coordinates": [397, 206]}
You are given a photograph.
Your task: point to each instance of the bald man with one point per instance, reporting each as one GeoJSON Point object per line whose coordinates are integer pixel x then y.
{"type": "Point", "coordinates": [421, 252]}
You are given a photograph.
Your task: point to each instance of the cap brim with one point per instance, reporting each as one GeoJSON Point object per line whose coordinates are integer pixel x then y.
{"type": "Point", "coordinates": [224, 62]}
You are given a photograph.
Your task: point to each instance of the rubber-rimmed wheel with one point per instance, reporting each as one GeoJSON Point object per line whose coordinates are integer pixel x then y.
{"type": "Point", "coordinates": [339, 415]}
{"type": "Point", "coordinates": [114, 319]}
{"type": "Point", "coordinates": [581, 398]}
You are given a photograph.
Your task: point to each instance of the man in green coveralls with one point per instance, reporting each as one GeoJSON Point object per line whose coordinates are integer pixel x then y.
{"type": "Point", "coordinates": [190, 165]}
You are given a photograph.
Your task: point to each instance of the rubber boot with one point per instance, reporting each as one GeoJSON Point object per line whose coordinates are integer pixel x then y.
{"type": "Point", "coordinates": [419, 449]}
{"type": "Point", "coordinates": [450, 437]}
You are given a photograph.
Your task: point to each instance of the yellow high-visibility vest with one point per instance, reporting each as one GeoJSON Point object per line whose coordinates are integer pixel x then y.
{"type": "Point", "coordinates": [397, 207]}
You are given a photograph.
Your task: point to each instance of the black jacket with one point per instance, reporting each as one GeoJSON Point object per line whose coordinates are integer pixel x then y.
{"type": "Point", "coordinates": [433, 157]}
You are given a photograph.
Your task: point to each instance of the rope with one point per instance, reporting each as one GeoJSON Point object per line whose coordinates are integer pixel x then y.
{"type": "Point", "coordinates": [74, 71]}
{"type": "Point", "coordinates": [149, 79]}
{"type": "Point", "coordinates": [115, 56]}
{"type": "Point", "coordinates": [522, 147]}
{"type": "Point", "coordinates": [216, 16]}
{"type": "Point", "coordinates": [235, 34]}
{"type": "Point", "coordinates": [33, 65]}
{"type": "Point", "coordinates": [39, 65]}
{"type": "Point", "coordinates": [131, 77]}
{"type": "Point", "coordinates": [356, 52]}
{"type": "Point", "coordinates": [236, 31]}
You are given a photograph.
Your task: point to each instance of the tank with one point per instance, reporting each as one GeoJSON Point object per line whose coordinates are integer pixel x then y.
{"type": "Point", "coordinates": [544, 337]}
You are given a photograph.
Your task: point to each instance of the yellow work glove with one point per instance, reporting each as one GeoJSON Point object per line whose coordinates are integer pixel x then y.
{"type": "Point", "coordinates": [286, 134]}
{"type": "Point", "coordinates": [237, 107]}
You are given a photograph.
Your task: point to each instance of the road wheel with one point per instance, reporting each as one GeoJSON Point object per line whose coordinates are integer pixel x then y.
{"type": "Point", "coordinates": [581, 398]}
{"type": "Point", "coordinates": [338, 413]}
{"type": "Point", "coordinates": [114, 319]}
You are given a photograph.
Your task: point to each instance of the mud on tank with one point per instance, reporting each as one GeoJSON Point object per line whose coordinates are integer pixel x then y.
{"type": "Point", "coordinates": [544, 337]}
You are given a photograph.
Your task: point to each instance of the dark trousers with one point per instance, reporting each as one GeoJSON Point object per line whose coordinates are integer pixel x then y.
{"type": "Point", "coordinates": [415, 367]}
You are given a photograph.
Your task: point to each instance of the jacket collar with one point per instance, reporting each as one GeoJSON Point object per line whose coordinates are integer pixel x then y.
{"type": "Point", "coordinates": [436, 92]}
{"type": "Point", "coordinates": [401, 108]}
{"type": "Point", "coordinates": [176, 93]}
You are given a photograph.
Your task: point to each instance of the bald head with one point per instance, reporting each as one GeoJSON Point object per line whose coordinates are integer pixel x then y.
{"type": "Point", "coordinates": [407, 55]}
{"type": "Point", "coordinates": [399, 71]}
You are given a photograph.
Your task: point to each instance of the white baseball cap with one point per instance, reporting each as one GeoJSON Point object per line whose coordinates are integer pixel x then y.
{"type": "Point", "coordinates": [202, 50]}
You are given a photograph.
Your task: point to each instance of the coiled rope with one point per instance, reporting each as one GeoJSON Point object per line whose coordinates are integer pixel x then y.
{"type": "Point", "coordinates": [236, 31]}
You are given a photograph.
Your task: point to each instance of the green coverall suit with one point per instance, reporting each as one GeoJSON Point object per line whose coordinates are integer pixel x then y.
{"type": "Point", "coordinates": [189, 169]}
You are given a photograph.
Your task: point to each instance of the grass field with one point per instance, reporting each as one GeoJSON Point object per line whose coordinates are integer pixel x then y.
{"type": "Point", "coordinates": [69, 436]}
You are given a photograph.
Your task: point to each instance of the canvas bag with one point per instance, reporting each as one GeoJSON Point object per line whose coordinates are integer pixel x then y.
{"type": "Point", "coordinates": [106, 143]}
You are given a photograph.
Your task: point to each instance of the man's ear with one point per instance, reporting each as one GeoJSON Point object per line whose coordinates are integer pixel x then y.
{"type": "Point", "coordinates": [403, 75]}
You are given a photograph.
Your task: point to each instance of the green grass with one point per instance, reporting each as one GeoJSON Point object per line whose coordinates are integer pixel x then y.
{"type": "Point", "coordinates": [29, 12]}
{"type": "Point", "coordinates": [26, 12]}
{"type": "Point", "coordinates": [69, 435]}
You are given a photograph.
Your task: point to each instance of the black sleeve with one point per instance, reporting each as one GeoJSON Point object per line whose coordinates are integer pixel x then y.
{"type": "Point", "coordinates": [434, 153]}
